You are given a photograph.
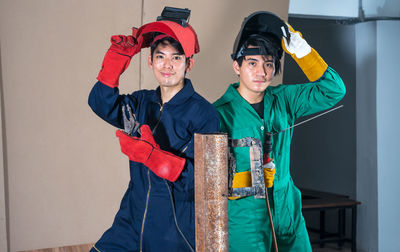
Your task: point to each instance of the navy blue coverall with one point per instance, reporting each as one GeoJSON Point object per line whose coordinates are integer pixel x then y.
{"type": "Point", "coordinates": [155, 214]}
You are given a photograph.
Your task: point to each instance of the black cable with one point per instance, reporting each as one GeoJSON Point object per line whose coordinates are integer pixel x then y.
{"type": "Point", "coordinates": [176, 222]}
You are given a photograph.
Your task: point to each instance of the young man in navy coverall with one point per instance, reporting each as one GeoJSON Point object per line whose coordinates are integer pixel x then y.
{"type": "Point", "coordinates": [157, 210]}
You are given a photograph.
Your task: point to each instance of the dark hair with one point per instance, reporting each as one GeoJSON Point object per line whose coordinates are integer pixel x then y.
{"type": "Point", "coordinates": [269, 46]}
{"type": "Point", "coordinates": [165, 41]}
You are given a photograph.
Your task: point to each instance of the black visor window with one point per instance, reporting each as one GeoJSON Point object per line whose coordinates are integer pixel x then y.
{"type": "Point", "coordinates": [248, 51]}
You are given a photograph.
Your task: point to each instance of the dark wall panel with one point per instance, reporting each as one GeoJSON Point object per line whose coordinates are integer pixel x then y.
{"type": "Point", "coordinates": [323, 153]}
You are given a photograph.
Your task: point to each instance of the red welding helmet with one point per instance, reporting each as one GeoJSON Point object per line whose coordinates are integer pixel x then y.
{"type": "Point", "coordinates": [264, 24]}
{"type": "Point", "coordinates": [177, 28]}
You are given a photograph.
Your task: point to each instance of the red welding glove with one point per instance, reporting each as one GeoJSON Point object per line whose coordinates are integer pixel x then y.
{"type": "Point", "coordinates": [146, 151]}
{"type": "Point", "coordinates": [117, 59]}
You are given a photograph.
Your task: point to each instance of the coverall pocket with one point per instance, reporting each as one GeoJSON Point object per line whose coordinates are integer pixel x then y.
{"type": "Point", "coordinates": [242, 154]}
{"type": "Point", "coordinates": [295, 207]}
{"type": "Point", "coordinates": [283, 212]}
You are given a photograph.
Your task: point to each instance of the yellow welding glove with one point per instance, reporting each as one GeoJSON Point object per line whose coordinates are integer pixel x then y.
{"type": "Point", "coordinates": [306, 57]}
{"type": "Point", "coordinates": [269, 174]}
{"type": "Point", "coordinates": [240, 180]}
{"type": "Point", "coordinates": [243, 179]}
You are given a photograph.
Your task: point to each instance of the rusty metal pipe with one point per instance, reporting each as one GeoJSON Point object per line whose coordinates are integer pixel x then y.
{"type": "Point", "coordinates": [211, 190]}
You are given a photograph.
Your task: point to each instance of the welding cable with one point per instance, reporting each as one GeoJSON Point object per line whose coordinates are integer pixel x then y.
{"type": "Point", "coordinates": [270, 220]}
{"type": "Point", "coordinates": [267, 147]}
{"type": "Point", "coordinates": [176, 222]}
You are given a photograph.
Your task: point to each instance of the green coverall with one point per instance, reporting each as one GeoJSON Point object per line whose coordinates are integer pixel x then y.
{"type": "Point", "coordinates": [249, 228]}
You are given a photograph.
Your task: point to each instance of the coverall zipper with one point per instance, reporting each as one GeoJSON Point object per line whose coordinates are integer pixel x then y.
{"type": "Point", "coordinates": [159, 118]}
{"type": "Point", "coordinates": [145, 211]}
{"type": "Point", "coordinates": [148, 191]}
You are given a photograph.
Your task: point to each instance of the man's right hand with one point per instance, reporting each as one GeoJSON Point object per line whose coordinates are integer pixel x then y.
{"type": "Point", "coordinates": [117, 59]}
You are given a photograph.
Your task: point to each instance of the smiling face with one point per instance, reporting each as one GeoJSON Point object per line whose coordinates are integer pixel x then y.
{"type": "Point", "coordinates": [255, 74]}
{"type": "Point", "coordinates": [169, 66]}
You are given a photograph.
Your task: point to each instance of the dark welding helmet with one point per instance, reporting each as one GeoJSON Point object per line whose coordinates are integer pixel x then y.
{"type": "Point", "coordinates": [173, 22]}
{"type": "Point", "coordinates": [264, 24]}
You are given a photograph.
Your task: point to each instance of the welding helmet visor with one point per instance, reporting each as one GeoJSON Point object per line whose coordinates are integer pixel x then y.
{"type": "Point", "coordinates": [264, 24]}
{"type": "Point", "coordinates": [174, 25]}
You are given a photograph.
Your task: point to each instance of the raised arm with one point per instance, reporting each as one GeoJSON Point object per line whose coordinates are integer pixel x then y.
{"type": "Point", "coordinates": [326, 87]}
{"type": "Point", "coordinates": [104, 99]}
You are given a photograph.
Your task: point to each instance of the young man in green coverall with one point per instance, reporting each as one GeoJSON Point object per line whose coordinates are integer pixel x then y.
{"type": "Point", "coordinates": [251, 108]}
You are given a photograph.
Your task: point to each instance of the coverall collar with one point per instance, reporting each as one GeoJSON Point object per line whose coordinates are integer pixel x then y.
{"type": "Point", "coordinates": [181, 97]}
{"type": "Point", "coordinates": [232, 95]}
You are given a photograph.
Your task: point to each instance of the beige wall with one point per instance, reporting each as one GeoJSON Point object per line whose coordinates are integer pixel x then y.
{"type": "Point", "coordinates": [3, 200]}
{"type": "Point", "coordinates": [64, 173]}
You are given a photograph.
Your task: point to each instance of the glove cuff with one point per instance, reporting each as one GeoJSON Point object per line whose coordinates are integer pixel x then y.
{"type": "Point", "coordinates": [114, 64]}
{"type": "Point", "coordinates": [165, 165]}
{"type": "Point", "coordinates": [312, 65]}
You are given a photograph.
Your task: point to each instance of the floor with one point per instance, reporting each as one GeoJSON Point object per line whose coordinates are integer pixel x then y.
{"type": "Point", "coordinates": [77, 248]}
{"type": "Point", "coordinates": [333, 247]}
{"type": "Point", "coordinates": [87, 247]}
